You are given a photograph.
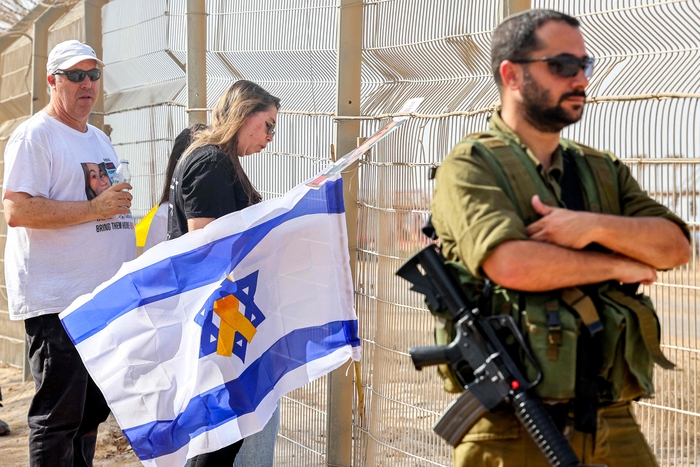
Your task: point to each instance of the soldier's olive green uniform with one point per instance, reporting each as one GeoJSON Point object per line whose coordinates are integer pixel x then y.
{"type": "Point", "coordinates": [472, 215]}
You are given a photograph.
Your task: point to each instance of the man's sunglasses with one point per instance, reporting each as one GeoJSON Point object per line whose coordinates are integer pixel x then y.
{"type": "Point", "coordinates": [77, 76]}
{"type": "Point", "coordinates": [271, 128]}
{"type": "Point", "coordinates": [564, 65]}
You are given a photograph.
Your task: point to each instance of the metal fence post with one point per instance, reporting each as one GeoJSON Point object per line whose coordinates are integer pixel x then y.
{"type": "Point", "coordinates": [93, 38]}
{"type": "Point", "coordinates": [196, 62]}
{"type": "Point", "coordinates": [40, 55]}
{"type": "Point", "coordinates": [340, 382]}
{"type": "Point", "coordinates": [514, 6]}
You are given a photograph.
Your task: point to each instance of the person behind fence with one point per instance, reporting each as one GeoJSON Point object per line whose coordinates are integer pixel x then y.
{"type": "Point", "coordinates": [566, 235]}
{"type": "Point", "coordinates": [258, 450]}
{"type": "Point", "coordinates": [51, 221]}
{"type": "Point", "coordinates": [209, 182]}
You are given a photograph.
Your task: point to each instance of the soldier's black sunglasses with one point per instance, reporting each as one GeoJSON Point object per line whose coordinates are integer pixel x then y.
{"type": "Point", "coordinates": [564, 65]}
{"type": "Point", "coordinates": [77, 76]}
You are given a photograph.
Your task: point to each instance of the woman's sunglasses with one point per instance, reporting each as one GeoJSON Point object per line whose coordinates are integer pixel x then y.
{"type": "Point", "coordinates": [564, 65]}
{"type": "Point", "coordinates": [271, 128]}
{"type": "Point", "coordinates": [77, 76]}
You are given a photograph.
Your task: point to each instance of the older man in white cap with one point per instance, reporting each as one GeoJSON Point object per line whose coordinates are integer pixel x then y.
{"type": "Point", "coordinates": [70, 229]}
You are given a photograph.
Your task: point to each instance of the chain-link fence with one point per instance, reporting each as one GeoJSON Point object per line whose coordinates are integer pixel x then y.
{"type": "Point", "coordinates": [643, 106]}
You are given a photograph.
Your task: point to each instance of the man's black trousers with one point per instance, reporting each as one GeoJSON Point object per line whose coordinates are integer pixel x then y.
{"type": "Point", "coordinates": [67, 407]}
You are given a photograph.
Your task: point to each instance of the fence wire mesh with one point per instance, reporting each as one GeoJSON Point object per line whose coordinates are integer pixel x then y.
{"type": "Point", "coordinates": [643, 106]}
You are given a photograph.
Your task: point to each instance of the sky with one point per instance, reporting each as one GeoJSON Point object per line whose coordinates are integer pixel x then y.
{"type": "Point", "coordinates": [12, 11]}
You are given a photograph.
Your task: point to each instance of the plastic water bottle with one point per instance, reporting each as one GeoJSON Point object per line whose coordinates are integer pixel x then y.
{"type": "Point", "coordinates": [122, 174]}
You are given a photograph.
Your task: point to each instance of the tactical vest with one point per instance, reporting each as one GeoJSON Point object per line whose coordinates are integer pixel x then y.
{"type": "Point", "coordinates": [624, 322]}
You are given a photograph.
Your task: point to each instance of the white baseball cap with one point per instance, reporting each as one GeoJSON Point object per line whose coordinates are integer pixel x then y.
{"type": "Point", "coordinates": [68, 53]}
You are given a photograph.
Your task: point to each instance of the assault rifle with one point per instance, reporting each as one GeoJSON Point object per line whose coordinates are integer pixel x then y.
{"type": "Point", "coordinates": [482, 361]}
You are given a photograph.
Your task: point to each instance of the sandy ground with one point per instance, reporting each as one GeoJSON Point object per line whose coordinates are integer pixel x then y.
{"type": "Point", "coordinates": [112, 447]}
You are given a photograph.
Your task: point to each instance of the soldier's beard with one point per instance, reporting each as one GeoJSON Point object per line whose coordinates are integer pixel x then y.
{"type": "Point", "coordinates": [539, 115]}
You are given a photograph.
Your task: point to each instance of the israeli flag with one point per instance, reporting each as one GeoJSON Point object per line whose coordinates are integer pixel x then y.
{"type": "Point", "coordinates": [194, 342]}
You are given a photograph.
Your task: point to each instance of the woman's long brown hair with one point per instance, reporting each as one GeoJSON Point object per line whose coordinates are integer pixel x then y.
{"type": "Point", "coordinates": [243, 99]}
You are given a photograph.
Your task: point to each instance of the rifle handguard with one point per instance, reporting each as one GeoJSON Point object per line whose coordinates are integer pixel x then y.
{"type": "Point", "coordinates": [534, 417]}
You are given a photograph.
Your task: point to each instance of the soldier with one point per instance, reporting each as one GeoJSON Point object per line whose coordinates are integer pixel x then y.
{"type": "Point", "coordinates": [566, 235]}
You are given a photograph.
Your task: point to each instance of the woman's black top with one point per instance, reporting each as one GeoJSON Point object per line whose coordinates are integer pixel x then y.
{"type": "Point", "coordinates": [204, 184]}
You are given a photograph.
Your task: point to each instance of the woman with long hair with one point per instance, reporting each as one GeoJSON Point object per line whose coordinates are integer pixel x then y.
{"type": "Point", "coordinates": [209, 182]}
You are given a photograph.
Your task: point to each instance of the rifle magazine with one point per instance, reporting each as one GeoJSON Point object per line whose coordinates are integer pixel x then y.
{"type": "Point", "coordinates": [459, 418]}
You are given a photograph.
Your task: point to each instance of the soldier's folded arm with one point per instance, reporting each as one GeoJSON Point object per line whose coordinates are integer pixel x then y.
{"type": "Point", "coordinates": [656, 241]}
{"type": "Point", "coordinates": [534, 266]}
{"type": "Point", "coordinates": [649, 232]}
{"type": "Point", "coordinates": [37, 212]}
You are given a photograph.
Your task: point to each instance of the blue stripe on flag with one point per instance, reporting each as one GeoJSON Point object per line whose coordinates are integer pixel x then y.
{"type": "Point", "coordinates": [187, 271]}
{"type": "Point", "coordinates": [242, 395]}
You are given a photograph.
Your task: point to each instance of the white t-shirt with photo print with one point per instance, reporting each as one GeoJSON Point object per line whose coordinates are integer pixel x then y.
{"type": "Point", "coordinates": [46, 269]}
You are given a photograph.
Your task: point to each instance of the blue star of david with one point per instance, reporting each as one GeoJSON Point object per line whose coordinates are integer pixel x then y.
{"type": "Point", "coordinates": [244, 291]}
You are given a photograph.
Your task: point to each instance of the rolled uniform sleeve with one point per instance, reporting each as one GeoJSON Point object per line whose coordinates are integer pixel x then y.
{"type": "Point", "coordinates": [635, 202]}
{"type": "Point", "coordinates": [471, 214]}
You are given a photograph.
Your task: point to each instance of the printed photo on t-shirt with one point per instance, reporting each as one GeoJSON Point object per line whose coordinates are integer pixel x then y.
{"type": "Point", "coordinates": [96, 179]}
